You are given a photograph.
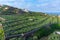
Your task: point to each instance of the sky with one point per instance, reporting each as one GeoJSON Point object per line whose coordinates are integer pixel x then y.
{"type": "Point", "coordinates": [34, 5]}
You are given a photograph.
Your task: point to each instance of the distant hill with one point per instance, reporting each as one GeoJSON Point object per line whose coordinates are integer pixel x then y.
{"type": "Point", "coordinates": [53, 13]}
{"type": "Point", "coordinates": [8, 10]}
{"type": "Point", "coordinates": [11, 10]}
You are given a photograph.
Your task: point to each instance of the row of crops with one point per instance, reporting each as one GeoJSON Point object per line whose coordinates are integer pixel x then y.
{"type": "Point", "coordinates": [55, 31]}
{"type": "Point", "coordinates": [25, 26]}
{"type": "Point", "coordinates": [21, 24]}
{"type": "Point", "coordinates": [55, 35]}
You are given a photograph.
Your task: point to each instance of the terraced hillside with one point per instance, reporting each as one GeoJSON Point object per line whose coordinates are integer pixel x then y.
{"type": "Point", "coordinates": [8, 10]}
{"type": "Point", "coordinates": [17, 24]}
{"type": "Point", "coordinates": [21, 24]}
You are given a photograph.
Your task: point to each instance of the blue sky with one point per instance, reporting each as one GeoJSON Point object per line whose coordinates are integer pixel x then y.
{"type": "Point", "coordinates": [35, 5]}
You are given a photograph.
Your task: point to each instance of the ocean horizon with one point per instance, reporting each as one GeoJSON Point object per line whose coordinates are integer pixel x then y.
{"type": "Point", "coordinates": [53, 13]}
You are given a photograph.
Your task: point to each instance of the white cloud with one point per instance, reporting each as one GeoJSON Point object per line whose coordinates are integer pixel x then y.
{"type": "Point", "coordinates": [15, 3]}
{"type": "Point", "coordinates": [42, 0]}
{"type": "Point", "coordinates": [42, 5]}
{"type": "Point", "coordinates": [53, 5]}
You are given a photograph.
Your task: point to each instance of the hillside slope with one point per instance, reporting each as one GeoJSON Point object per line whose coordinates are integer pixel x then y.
{"type": "Point", "coordinates": [8, 10]}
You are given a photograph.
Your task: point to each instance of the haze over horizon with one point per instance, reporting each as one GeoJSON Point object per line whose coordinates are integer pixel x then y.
{"type": "Point", "coordinates": [34, 5]}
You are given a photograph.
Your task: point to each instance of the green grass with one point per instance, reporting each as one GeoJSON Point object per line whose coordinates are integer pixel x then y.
{"type": "Point", "coordinates": [18, 24]}
{"type": "Point", "coordinates": [20, 21]}
{"type": "Point", "coordinates": [1, 33]}
{"type": "Point", "coordinates": [54, 36]}
{"type": "Point", "coordinates": [23, 23]}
